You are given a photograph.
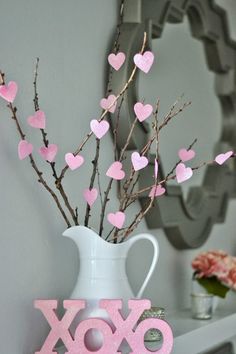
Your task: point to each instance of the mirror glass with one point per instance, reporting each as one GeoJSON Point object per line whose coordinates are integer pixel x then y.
{"type": "Point", "coordinates": [181, 68]}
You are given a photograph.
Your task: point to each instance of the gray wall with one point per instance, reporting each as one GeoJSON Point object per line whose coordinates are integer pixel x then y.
{"type": "Point", "coordinates": [72, 39]}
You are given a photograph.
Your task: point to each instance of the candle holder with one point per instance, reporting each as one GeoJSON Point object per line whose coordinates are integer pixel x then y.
{"type": "Point", "coordinates": [202, 306]}
{"type": "Point", "coordinates": [153, 335]}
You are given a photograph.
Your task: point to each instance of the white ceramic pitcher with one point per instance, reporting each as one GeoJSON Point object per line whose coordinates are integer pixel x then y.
{"type": "Point", "coordinates": [102, 273]}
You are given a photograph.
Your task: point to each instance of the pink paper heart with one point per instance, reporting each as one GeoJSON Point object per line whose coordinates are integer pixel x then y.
{"type": "Point", "coordinates": [48, 153]}
{"type": "Point", "coordinates": [221, 158]}
{"type": "Point", "coordinates": [157, 191]}
{"type": "Point", "coordinates": [183, 173]}
{"type": "Point", "coordinates": [116, 60]}
{"type": "Point", "coordinates": [115, 171]}
{"type": "Point", "coordinates": [116, 219]}
{"type": "Point", "coordinates": [90, 195]}
{"type": "Point", "coordinates": [142, 111]}
{"type": "Point", "coordinates": [74, 161]}
{"type": "Point", "coordinates": [155, 168]}
{"type": "Point", "coordinates": [8, 92]}
{"type": "Point", "coordinates": [105, 103]}
{"type": "Point", "coordinates": [144, 61]}
{"type": "Point", "coordinates": [138, 161]}
{"type": "Point", "coordinates": [99, 128]}
{"type": "Point", "coordinates": [24, 149]}
{"type": "Point", "coordinates": [38, 120]}
{"type": "Point", "coordinates": [186, 155]}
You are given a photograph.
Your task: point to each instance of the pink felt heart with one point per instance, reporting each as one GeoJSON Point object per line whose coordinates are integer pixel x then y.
{"type": "Point", "coordinates": [116, 60]}
{"type": "Point", "coordinates": [221, 158]}
{"type": "Point", "coordinates": [48, 153]}
{"type": "Point", "coordinates": [90, 195]}
{"type": "Point", "coordinates": [8, 92]}
{"type": "Point", "coordinates": [186, 155]}
{"type": "Point", "coordinates": [157, 191]}
{"type": "Point", "coordinates": [109, 103]}
{"type": "Point", "coordinates": [38, 120]}
{"type": "Point", "coordinates": [144, 61]}
{"type": "Point", "coordinates": [155, 168]}
{"type": "Point", "coordinates": [24, 149]}
{"type": "Point", "coordinates": [116, 219]}
{"type": "Point", "coordinates": [138, 161]}
{"type": "Point", "coordinates": [115, 171]}
{"type": "Point", "coordinates": [142, 111]}
{"type": "Point", "coordinates": [99, 128]}
{"type": "Point", "coordinates": [183, 173]}
{"type": "Point", "coordinates": [74, 161]}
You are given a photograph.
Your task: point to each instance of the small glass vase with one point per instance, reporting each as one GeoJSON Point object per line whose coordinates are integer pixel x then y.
{"type": "Point", "coordinates": [202, 306]}
{"type": "Point", "coordinates": [197, 288]}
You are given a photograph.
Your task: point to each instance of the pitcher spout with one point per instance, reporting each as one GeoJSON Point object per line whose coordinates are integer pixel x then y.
{"type": "Point", "coordinates": [73, 232]}
{"type": "Point", "coordinates": [86, 239]}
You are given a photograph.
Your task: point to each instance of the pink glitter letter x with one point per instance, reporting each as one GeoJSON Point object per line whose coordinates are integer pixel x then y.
{"type": "Point", "coordinates": [59, 327]}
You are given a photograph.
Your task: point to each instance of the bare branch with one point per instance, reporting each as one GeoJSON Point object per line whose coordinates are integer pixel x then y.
{"type": "Point", "coordinates": [58, 183]}
{"type": "Point", "coordinates": [34, 166]}
{"type": "Point", "coordinates": [123, 90]}
{"type": "Point", "coordinates": [95, 163]}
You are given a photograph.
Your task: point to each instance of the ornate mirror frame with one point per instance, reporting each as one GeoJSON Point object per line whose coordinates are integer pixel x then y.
{"type": "Point", "coordinates": [187, 224]}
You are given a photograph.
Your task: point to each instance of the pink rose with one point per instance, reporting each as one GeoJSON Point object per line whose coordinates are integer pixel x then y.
{"type": "Point", "coordinates": [218, 253]}
{"type": "Point", "coordinates": [210, 264]}
{"type": "Point", "coordinates": [230, 279]}
{"type": "Point", "coordinates": [230, 262]}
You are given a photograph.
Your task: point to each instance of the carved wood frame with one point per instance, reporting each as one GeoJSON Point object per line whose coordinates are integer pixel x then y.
{"type": "Point", "coordinates": [187, 224]}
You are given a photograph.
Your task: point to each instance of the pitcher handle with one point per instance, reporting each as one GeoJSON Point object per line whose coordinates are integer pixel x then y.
{"type": "Point", "coordinates": [154, 260]}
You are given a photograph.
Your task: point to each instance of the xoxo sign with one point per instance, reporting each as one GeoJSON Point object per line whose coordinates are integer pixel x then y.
{"type": "Point", "coordinates": [122, 328]}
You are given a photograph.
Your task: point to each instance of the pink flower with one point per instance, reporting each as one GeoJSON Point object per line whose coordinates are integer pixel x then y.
{"type": "Point", "coordinates": [210, 264]}
{"type": "Point", "coordinates": [218, 253]}
{"type": "Point", "coordinates": [216, 265]}
{"type": "Point", "coordinates": [230, 262]}
{"type": "Point", "coordinates": [230, 279]}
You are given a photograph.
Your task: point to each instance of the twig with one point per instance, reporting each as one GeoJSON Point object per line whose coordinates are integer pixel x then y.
{"type": "Point", "coordinates": [105, 201]}
{"type": "Point", "coordinates": [116, 43]}
{"type": "Point", "coordinates": [106, 194]}
{"type": "Point", "coordinates": [2, 82]}
{"type": "Point", "coordinates": [94, 162]}
{"type": "Point", "coordinates": [170, 177]}
{"type": "Point", "coordinates": [121, 17]}
{"type": "Point", "coordinates": [128, 198]}
{"type": "Point", "coordinates": [36, 97]}
{"type": "Point", "coordinates": [128, 140]}
{"type": "Point", "coordinates": [58, 183]}
{"type": "Point", "coordinates": [109, 234]}
{"type": "Point", "coordinates": [33, 164]}
{"type": "Point", "coordinates": [156, 128]}
{"type": "Point", "coordinates": [190, 147]}
{"type": "Point", "coordinates": [123, 90]}
{"type": "Point", "coordinates": [138, 218]}
{"type": "Point", "coordinates": [173, 114]}
{"type": "Point", "coordinates": [124, 202]}
{"type": "Point", "coordinates": [150, 203]}
{"type": "Point", "coordinates": [99, 185]}
{"type": "Point", "coordinates": [111, 180]}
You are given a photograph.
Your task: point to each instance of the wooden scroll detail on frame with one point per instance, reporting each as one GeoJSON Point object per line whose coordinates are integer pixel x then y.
{"type": "Point", "coordinates": [187, 224]}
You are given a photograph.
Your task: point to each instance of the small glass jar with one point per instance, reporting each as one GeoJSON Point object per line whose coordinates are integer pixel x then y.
{"type": "Point", "coordinates": [153, 334]}
{"type": "Point", "coordinates": [202, 306]}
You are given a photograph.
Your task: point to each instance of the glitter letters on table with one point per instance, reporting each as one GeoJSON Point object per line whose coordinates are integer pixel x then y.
{"type": "Point", "coordinates": [124, 327]}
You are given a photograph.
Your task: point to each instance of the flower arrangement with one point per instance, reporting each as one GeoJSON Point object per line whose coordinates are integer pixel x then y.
{"type": "Point", "coordinates": [215, 271]}
{"type": "Point", "coordinates": [75, 161]}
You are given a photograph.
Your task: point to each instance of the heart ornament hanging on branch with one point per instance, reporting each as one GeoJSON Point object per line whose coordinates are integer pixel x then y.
{"type": "Point", "coordinates": [8, 92]}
